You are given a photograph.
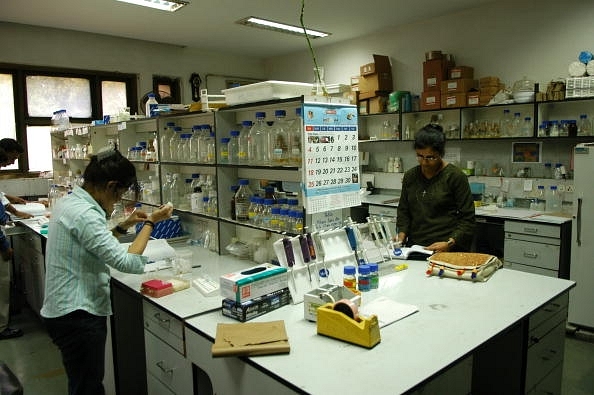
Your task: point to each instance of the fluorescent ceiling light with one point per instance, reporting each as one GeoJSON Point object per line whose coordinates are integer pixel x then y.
{"type": "Point", "coordinates": [279, 27]}
{"type": "Point", "coordinates": [165, 5]}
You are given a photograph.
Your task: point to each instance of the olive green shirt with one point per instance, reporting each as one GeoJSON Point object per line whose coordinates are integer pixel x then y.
{"type": "Point", "coordinates": [433, 210]}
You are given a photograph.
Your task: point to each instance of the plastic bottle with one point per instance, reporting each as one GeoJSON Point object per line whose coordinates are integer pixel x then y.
{"type": "Point", "coordinates": [364, 279]}
{"type": "Point", "coordinates": [266, 217]}
{"type": "Point", "coordinates": [195, 143]}
{"type": "Point", "coordinates": [584, 126]}
{"type": "Point", "coordinates": [516, 128]}
{"type": "Point", "coordinates": [558, 172]}
{"type": "Point", "coordinates": [151, 106]}
{"type": "Point", "coordinates": [543, 129]}
{"type": "Point", "coordinates": [553, 200]}
{"type": "Point", "coordinates": [233, 147]}
{"type": "Point", "coordinates": [258, 211]}
{"type": "Point", "coordinates": [295, 134]}
{"type": "Point", "coordinates": [554, 129]}
{"type": "Point", "coordinates": [540, 198]}
{"type": "Point", "coordinates": [298, 222]}
{"type": "Point", "coordinates": [174, 143]}
{"type": "Point", "coordinates": [275, 220]}
{"type": "Point", "coordinates": [211, 155]}
{"type": "Point", "coordinates": [224, 150]}
{"type": "Point", "coordinates": [505, 124]}
{"type": "Point", "coordinates": [527, 127]}
{"type": "Point", "coordinates": [258, 142]}
{"type": "Point", "coordinates": [279, 140]}
{"type": "Point", "coordinates": [283, 219]}
{"type": "Point", "coordinates": [205, 205]}
{"type": "Point", "coordinates": [243, 146]}
{"type": "Point", "coordinates": [175, 191]}
{"type": "Point", "coordinates": [213, 203]}
{"type": "Point", "coordinates": [349, 278]}
{"type": "Point", "coordinates": [164, 142]}
{"type": "Point", "coordinates": [242, 200]}
{"type": "Point", "coordinates": [374, 275]}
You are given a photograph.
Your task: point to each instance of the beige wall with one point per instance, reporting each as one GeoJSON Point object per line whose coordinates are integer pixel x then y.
{"type": "Point", "coordinates": [32, 45]}
{"type": "Point", "coordinates": [508, 38]}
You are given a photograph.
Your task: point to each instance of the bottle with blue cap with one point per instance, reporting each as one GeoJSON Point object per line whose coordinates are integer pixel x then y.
{"type": "Point", "coordinates": [151, 106]}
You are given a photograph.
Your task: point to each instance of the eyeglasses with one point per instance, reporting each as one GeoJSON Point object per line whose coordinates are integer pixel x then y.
{"type": "Point", "coordinates": [427, 157]}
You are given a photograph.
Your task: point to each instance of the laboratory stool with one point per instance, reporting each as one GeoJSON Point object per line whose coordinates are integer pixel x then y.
{"type": "Point", "coordinates": [9, 383]}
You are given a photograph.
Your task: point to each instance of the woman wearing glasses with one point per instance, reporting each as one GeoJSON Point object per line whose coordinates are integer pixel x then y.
{"type": "Point", "coordinates": [80, 250]}
{"type": "Point", "coordinates": [436, 209]}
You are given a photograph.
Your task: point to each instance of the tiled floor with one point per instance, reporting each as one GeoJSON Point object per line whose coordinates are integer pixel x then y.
{"type": "Point", "coordinates": [36, 361]}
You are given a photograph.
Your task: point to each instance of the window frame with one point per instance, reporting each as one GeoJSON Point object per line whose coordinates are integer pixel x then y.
{"type": "Point", "coordinates": [95, 77]}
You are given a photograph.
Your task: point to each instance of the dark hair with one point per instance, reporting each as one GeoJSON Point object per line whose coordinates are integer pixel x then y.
{"type": "Point", "coordinates": [3, 155]}
{"type": "Point", "coordinates": [431, 136]}
{"type": "Point", "coordinates": [109, 166]}
{"type": "Point", "coordinates": [11, 145]}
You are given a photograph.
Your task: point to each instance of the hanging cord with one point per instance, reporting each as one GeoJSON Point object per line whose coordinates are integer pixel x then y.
{"type": "Point", "coordinates": [313, 55]}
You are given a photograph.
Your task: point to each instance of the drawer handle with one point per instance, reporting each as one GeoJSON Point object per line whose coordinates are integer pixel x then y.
{"type": "Point", "coordinates": [531, 230]}
{"type": "Point", "coordinates": [163, 369]}
{"type": "Point", "coordinates": [161, 320]}
{"type": "Point", "coordinates": [532, 255]}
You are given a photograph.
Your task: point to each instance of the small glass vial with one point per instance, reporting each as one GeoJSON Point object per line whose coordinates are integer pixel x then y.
{"type": "Point", "coordinates": [349, 278]}
{"type": "Point", "coordinates": [364, 280]}
{"type": "Point", "coordinates": [374, 275]}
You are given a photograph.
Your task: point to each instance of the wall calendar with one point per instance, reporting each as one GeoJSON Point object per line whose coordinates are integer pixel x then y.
{"type": "Point", "coordinates": [331, 157]}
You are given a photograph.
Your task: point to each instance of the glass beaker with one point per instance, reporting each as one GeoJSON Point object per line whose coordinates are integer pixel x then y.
{"type": "Point", "coordinates": [319, 85]}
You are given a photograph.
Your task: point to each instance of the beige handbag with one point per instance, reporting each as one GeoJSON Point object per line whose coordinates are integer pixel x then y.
{"type": "Point", "coordinates": [463, 265]}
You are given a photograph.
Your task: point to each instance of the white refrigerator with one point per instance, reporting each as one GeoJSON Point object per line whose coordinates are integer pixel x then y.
{"type": "Point", "coordinates": [581, 297]}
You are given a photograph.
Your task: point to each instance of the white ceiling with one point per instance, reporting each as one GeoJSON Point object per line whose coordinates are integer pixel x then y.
{"type": "Point", "coordinates": [210, 24]}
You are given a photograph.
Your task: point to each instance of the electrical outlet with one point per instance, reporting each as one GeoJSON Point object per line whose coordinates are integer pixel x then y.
{"type": "Point", "coordinates": [561, 188]}
{"type": "Point", "coordinates": [569, 188]}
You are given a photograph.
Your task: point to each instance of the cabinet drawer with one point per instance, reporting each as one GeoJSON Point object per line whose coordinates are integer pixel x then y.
{"type": "Point", "coordinates": [533, 228]}
{"type": "Point", "coordinates": [549, 310]}
{"type": "Point", "coordinates": [545, 355]}
{"type": "Point", "coordinates": [155, 387]}
{"type": "Point", "coordinates": [530, 269]}
{"type": "Point", "coordinates": [163, 325]}
{"type": "Point", "coordinates": [545, 256]}
{"type": "Point", "coordinates": [168, 366]}
{"type": "Point", "coordinates": [550, 385]}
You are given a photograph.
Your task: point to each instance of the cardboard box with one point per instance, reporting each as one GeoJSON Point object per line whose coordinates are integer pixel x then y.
{"type": "Point", "coordinates": [489, 81]}
{"type": "Point", "coordinates": [377, 104]}
{"type": "Point", "coordinates": [452, 100]}
{"type": "Point", "coordinates": [484, 99]}
{"type": "Point", "coordinates": [253, 308]}
{"type": "Point", "coordinates": [461, 72]}
{"type": "Point", "coordinates": [473, 99]}
{"type": "Point", "coordinates": [430, 100]}
{"type": "Point", "coordinates": [253, 282]}
{"type": "Point", "coordinates": [489, 90]}
{"type": "Point", "coordinates": [376, 76]}
{"type": "Point", "coordinates": [462, 85]}
{"type": "Point", "coordinates": [434, 72]}
{"type": "Point", "coordinates": [324, 294]}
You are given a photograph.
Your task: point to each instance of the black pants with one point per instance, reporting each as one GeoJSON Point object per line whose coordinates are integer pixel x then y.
{"type": "Point", "coordinates": [80, 336]}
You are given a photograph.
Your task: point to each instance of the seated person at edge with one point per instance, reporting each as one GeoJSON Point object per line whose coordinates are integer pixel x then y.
{"type": "Point", "coordinates": [436, 209]}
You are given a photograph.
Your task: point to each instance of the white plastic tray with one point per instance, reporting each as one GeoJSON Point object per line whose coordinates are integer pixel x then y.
{"type": "Point", "coordinates": [267, 90]}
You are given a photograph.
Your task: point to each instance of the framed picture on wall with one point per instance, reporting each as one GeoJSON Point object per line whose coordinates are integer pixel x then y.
{"type": "Point", "coordinates": [527, 152]}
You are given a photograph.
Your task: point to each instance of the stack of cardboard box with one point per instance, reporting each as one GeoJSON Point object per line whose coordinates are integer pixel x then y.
{"type": "Point", "coordinates": [454, 91]}
{"type": "Point", "coordinates": [488, 87]}
{"type": "Point", "coordinates": [374, 85]}
{"type": "Point", "coordinates": [435, 71]}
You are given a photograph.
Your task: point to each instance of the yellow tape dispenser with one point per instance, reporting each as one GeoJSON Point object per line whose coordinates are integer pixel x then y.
{"type": "Point", "coordinates": [341, 321]}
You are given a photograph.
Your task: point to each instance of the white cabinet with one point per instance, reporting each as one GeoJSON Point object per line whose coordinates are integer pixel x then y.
{"type": "Point", "coordinates": [546, 345]}
{"type": "Point", "coordinates": [166, 365]}
{"type": "Point", "coordinates": [231, 375]}
{"type": "Point", "coordinates": [537, 247]}
{"type": "Point", "coordinates": [29, 255]}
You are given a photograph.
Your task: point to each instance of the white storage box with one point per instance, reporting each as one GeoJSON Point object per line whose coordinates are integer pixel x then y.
{"type": "Point", "coordinates": [267, 90]}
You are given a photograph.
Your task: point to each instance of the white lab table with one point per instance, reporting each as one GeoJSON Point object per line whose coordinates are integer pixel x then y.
{"type": "Point", "coordinates": [455, 318]}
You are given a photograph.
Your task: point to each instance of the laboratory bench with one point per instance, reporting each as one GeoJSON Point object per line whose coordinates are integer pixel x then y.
{"type": "Point", "coordinates": [501, 336]}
